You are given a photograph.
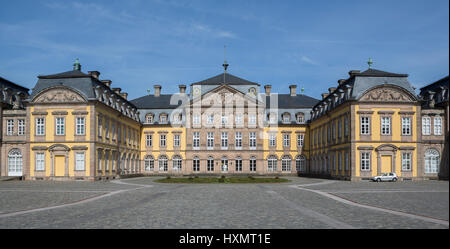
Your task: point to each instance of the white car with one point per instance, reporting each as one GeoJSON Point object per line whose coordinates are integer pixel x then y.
{"type": "Point", "coordinates": [386, 177]}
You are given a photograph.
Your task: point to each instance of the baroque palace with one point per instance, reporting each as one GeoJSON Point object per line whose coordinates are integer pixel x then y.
{"type": "Point", "coordinates": [75, 126]}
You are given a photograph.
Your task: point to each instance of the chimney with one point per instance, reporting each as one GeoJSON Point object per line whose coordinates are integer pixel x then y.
{"type": "Point", "coordinates": [124, 95]}
{"type": "Point", "coordinates": [267, 88]}
{"type": "Point", "coordinates": [117, 90]}
{"type": "Point", "coordinates": [182, 89]}
{"type": "Point", "coordinates": [293, 89]}
{"type": "Point", "coordinates": [331, 89]}
{"type": "Point", "coordinates": [353, 72]}
{"type": "Point", "coordinates": [94, 74]}
{"type": "Point", "coordinates": [324, 95]}
{"type": "Point", "coordinates": [106, 82]}
{"type": "Point", "coordinates": [157, 90]}
{"type": "Point", "coordinates": [341, 82]}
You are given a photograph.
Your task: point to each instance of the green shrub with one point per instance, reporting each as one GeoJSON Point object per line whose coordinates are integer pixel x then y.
{"type": "Point", "coordinates": [196, 177]}
{"type": "Point", "coordinates": [168, 177]}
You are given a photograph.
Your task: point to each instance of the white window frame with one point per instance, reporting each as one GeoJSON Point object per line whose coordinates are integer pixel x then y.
{"type": "Point", "coordinates": [272, 164]}
{"type": "Point", "coordinates": [177, 163]}
{"type": "Point", "coordinates": [80, 163]}
{"type": "Point", "coordinates": [80, 127]}
{"type": "Point", "coordinates": [365, 125]}
{"type": "Point", "coordinates": [300, 140]}
{"type": "Point", "coordinates": [238, 164]}
{"type": "Point", "coordinates": [224, 140]}
{"type": "Point", "coordinates": [286, 164]}
{"type": "Point", "coordinates": [21, 127]}
{"type": "Point", "coordinates": [176, 140]}
{"type": "Point", "coordinates": [238, 140]}
{"type": "Point", "coordinates": [426, 126]}
{"type": "Point", "coordinates": [10, 127]}
{"type": "Point", "coordinates": [149, 140]}
{"type": "Point", "coordinates": [406, 161]}
{"type": "Point", "coordinates": [252, 119]}
{"type": "Point", "coordinates": [252, 140]}
{"type": "Point", "coordinates": [365, 161]}
{"type": "Point", "coordinates": [406, 126]}
{"type": "Point", "coordinates": [286, 140]}
{"type": "Point", "coordinates": [163, 163]}
{"type": "Point", "coordinates": [162, 140]}
{"type": "Point", "coordinates": [40, 162]}
{"type": "Point", "coordinates": [252, 164]}
{"type": "Point", "coordinates": [272, 140]}
{"type": "Point", "coordinates": [196, 164]}
{"type": "Point", "coordinates": [210, 164]}
{"type": "Point", "coordinates": [432, 161]}
{"type": "Point", "coordinates": [386, 126]}
{"type": "Point", "coordinates": [196, 140]}
{"type": "Point", "coordinates": [210, 140]}
{"type": "Point", "coordinates": [196, 119]}
{"type": "Point", "coordinates": [60, 129]}
{"type": "Point", "coordinates": [437, 126]}
{"type": "Point", "coordinates": [149, 163]}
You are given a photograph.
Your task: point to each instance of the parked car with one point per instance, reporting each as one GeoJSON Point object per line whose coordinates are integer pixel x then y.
{"type": "Point", "coordinates": [386, 177]}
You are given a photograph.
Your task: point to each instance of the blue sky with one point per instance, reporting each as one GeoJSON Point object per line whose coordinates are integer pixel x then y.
{"type": "Point", "coordinates": [139, 43]}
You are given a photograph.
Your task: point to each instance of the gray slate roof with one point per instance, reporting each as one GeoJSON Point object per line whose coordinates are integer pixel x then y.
{"type": "Point", "coordinates": [229, 80]}
{"type": "Point", "coordinates": [6, 83]}
{"type": "Point", "coordinates": [77, 80]}
{"type": "Point", "coordinates": [152, 102]}
{"type": "Point", "coordinates": [286, 101]}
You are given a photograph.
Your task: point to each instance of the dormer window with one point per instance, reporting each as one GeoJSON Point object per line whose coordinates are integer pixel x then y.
{"type": "Point", "coordinates": [300, 117]}
{"type": "Point", "coordinates": [163, 119]}
{"type": "Point", "coordinates": [272, 118]}
{"type": "Point", "coordinates": [286, 118]}
{"type": "Point", "coordinates": [177, 117]}
{"type": "Point", "coordinates": [149, 119]}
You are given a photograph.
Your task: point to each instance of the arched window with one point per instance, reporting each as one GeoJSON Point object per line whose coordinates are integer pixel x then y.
{"type": "Point", "coordinates": [15, 163]}
{"type": "Point", "coordinates": [224, 164]}
{"type": "Point", "coordinates": [272, 163]}
{"type": "Point", "coordinates": [196, 164]}
{"type": "Point", "coordinates": [149, 118]}
{"type": "Point", "coordinates": [238, 164]}
{"type": "Point", "coordinates": [177, 162]}
{"type": "Point", "coordinates": [210, 164]}
{"type": "Point", "coordinates": [432, 161]}
{"type": "Point", "coordinates": [163, 163]}
{"type": "Point", "coordinates": [300, 164]}
{"type": "Point", "coordinates": [149, 163]}
{"type": "Point", "coordinates": [286, 163]}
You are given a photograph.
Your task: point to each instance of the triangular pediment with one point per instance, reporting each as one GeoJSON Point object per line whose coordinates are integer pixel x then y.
{"type": "Point", "coordinates": [223, 94]}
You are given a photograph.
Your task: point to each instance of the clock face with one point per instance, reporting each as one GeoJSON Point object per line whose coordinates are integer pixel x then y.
{"type": "Point", "coordinates": [252, 91]}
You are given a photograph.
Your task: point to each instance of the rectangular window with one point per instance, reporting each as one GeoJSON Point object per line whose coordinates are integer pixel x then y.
{"type": "Point", "coordinates": [426, 126]}
{"type": "Point", "coordinates": [119, 133]}
{"type": "Point", "coordinates": [80, 126]}
{"type": "Point", "coordinates": [79, 161]}
{"type": "Point", "coordinates": [9, 127]}
{"type": "Point", "coordinates": [346, 127]}
{"type": "Point", "coordinates": [176, 140]}
{"type": "Point", "coordinates": [21, 127]}
{"type": "Point", "coordinates": [99, 160]}
{"type": "Point", "coordinates": [365, 125]}
{"type": "Point", "coordinates": [210, 164]}
{"type": "Point", "coordinates": [406, 161]}
{"type": "Point", "coordinates": [40, 126]}
{"type": "Point", "coordinates": [149, 140]}
{"type": "Point", "coordinates": [224, 140]}
{"type": "Point", "coordinates": [339, 128]}
{"type": "Point", "coordinates": [196, 140]}
{"type": "Point", "coordinates": [40, 161]}
{"type": "Point", "coordinates": [272, 140]}
{"type": "Point", "coordinates": [252, 119]}
{"type": "Point", "coordinates": [286, 140]}
{"type": "Point", "coordinates": [328, 133]}
{"type": "Point", "coordinates": [438, 126]}
{"type": "Point", "coordinates": [238, 140]}
{"type": "Point", "coordinates": [162, 140]}
{"type": "Point", "coordinates": [300, 140]}
{"type": "Point", "coordinates": [347, 162]}
{"type": "Point", "coordinates": [252, 140]}
{"type": "Point", "coordinates": [106, 161]}
{"type": "Point", "coordinates": [238, 119]}
{"type": "Point", "coordinates": [333, 128]}
{"type": "Point", "coordinates": [60, 126]}
{"type": "Point", "coordinates": [385, 126]}
{"type": "Point", "coordinates": [238, 165]}
{"type": "Point", "coordinates": [107, 129]}
{"type": "Point", "coordinates": [252, 164]}
{"type": "Point", "coordinates": [365, 161]}
{"type": "Point", "coordinates": [196, 165]}
{"type": "Point", "coordinates": [210, 140]}
{"type": "Point", "coordinates": [339, 162]}
{"type": "Point", "coordinates": [196, 119]}
{"type": "Point", "coordinates": [224, 120]}
{"type": "Point", "coordinates": [210, 119]}
{"type": "Point", "coordinates": [99, 126]}
{"type": "Point", "coordinates": [113, 130]}
{"type": "Point", "coordinates": [406, 126]}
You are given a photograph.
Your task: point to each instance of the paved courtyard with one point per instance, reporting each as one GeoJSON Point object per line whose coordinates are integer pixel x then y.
{"type": "Point", "coordinates": [301, 203]}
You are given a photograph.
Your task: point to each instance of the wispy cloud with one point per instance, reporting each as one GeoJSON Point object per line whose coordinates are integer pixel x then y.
{"type": "Point", "coordinates": [308, 60]}
{"type": "Point", "coordinates": [215, 32]}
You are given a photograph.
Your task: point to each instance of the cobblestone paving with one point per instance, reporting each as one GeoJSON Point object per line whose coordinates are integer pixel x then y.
{"type": "Point", "coordinates": [155, 205]}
